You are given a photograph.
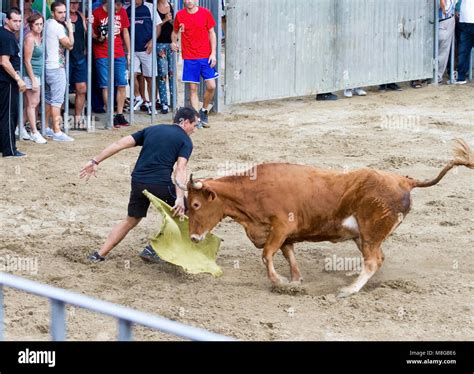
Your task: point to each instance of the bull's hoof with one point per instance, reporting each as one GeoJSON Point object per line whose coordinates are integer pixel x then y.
{"type": "Point", "coordinates": [296, 282]}
{"type": "Point", "coordinates": [280, 281]}
{"type": "Point", "coordinates": [345, 292]}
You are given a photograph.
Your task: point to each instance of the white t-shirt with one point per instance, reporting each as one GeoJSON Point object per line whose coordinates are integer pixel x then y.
{"type": "Point", "coordinates": [467, 11]}
{"type": "Point", "coordinates": [55, 52]}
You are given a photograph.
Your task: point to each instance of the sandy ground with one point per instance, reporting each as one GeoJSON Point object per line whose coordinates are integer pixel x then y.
{"type": "Point", "coordinates": [424, 291]}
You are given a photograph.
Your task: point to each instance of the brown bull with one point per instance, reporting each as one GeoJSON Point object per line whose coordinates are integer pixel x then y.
{"type": "Point", "coordinates": [286, 204]}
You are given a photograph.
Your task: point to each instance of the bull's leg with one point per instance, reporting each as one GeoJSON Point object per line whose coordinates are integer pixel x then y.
{"type": "Point", "coordinates": [373, 259]}
{"type": "Point", "coordinates": [289, 253]}
{"type": "Point", "coordinates": [272, 245]}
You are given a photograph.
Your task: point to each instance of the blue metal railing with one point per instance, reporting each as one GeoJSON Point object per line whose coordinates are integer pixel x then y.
{"type": "Point", "coordinates": [126, 316]}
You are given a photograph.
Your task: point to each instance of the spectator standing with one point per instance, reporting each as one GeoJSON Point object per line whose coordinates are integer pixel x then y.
{"type": "Point", "coordinates": [466, 24]}
{"type": "Point", "coordinates": [198, 42]}
{"type": "Point", "coordinates": [10, 83]}
{"type": "Point", "coordinates": [165, 54]}
{"type": "Point", "coordinates": [101, 52]}
{"type": "Point", "coordinates": [57, 41]}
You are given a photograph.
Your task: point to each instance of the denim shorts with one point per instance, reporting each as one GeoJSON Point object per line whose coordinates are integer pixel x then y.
{"type": "Point", "coordinates": [193, 70]}
{"type": "Point", "coordinates": [120, 66]}
{"type": "Point", "coordinates": [78, 72]}
{"type": "Point", "coordinates": [55, 88]}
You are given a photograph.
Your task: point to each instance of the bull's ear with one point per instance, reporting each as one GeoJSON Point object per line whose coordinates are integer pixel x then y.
{"type": "Point", "coordinates": [211, 194]}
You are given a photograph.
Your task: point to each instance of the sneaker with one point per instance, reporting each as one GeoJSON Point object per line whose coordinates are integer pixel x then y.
{"type": "Point", "coordinates": [38, 138]}
{"type": "Point", "coordinates": [137, 103]}
{"type": "Point", "coordinates": [348, 93]}
{"type": "Point", "coordinates": [164, 109]}
{"type": "Point", "coordinates": [120, 121]}
{"type": "Point", "coordinates": [382, 87]}
{"type": "Point", "coordinates": [359, 92]}
{"type": "Point", "coordinates": [62, 137]}
{"type": "Point", "coordinates": [394, 87]}
{"type": "Point", "coordinates": [49, 133]}
{"type": "Point", "coordinates": [17, 154]}
{"type": "Point", "coordinates": [204, 119]}
{"type": "Point", "coordinates": [24, 134]}
{"type": "Point", "coordinates": [149, 255]}
{"type": "Point", "coordinates": [144, 107]}
{"type": "Point", "coordinates": [158, 105]}
{"type": "Point", "coordinates": [326, 97]}
{"type": "Point", "coordinates": [460, 82]}
{"type": "Point", "coordinates": [95, 257]}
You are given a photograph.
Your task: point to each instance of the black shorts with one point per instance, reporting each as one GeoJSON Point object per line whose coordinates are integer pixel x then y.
{"type": "Point", "coordinates": [139, 203]}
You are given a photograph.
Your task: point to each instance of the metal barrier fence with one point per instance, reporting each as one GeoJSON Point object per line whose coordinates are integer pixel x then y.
{"type": "Point", "coordinates": [278, 49]}
{"type": "Point", "coordinates": [265, 60]}
{"type": "Point", "coordinates": [125, 316]}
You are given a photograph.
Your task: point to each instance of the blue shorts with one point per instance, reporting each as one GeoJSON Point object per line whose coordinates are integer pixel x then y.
{"type": "Point", "coordinates": [193, 70]}
{"type": "Point", "coordinates": [78, 72]}
{"type": "Point", "coordinates": [102, 65]}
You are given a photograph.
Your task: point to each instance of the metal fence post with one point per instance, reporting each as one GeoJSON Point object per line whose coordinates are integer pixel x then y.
{"type": "Point", "coordinates": [43, 84]}
{"type": "Point", "coordinates": [111, 81]}
{"type": "Point", "coordinates": [124, 330]}
{"type": "Point", "coordinates": [21, 120]}
{"type": "Point", "coordinates": [66, 94]}
{"type": "Point", "coordinates": [154, 63]}
{"type": "Point", "coordinates": [436, 43]}
{"type": "Point", "coordinates": [131, 71]}
{"type": "Point", "coordinates": [89, 64]}
{"type": "Point", "coordinates": [451, 67]}
{"type": "Point", "coordinates": [174, 56]}
{"type": "Point", "coordinates": [58, 320]}
{"type": "Point", "coordinates": [470, 64]}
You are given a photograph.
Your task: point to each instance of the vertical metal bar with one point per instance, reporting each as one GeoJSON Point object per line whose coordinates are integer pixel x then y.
{"type": "Point", "coordinates": [43, 84]}
{"type": "Point", "coordinates": [2, 331]}
{"type": "Point", "coordinates": [66, 95]}
{"type": "Point", "coordinates": [174, 56]}
{"type": "Point", "coordinates": [153, 64]}
{"type": "Point", "coordinates": [470, 64]}
{"type": "Point", "coordinates": [451, 63]}
{"type": "Point", "coordinates": [125, 330]}
{"type": "Point", "coordinates": [58, 320]}
{"type": "Point", "coordinates": [132, 62]}
{"type": "Point", "coordinates": [111, 80]}
{"type": "Point", "coordinates": [22, 36]}
{"type": "Point", "coordinates": [89, 64]}
{"type": "Point", "coordinates": [436, 43]}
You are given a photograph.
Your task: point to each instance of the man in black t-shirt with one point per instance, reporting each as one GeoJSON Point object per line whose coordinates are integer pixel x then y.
{"type": "Point", "coordinates": [163, 146]}
{"type": "Point", "coordinates": [10, 83]}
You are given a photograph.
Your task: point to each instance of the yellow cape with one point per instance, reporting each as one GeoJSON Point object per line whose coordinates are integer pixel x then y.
{"type": "Point", "coordinates": [172, 243]}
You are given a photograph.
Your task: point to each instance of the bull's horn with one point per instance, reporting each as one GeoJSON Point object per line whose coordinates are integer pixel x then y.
{"type": "Point", "coordinates": [195, 185]}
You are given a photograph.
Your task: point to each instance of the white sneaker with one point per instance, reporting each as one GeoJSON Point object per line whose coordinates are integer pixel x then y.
{"type": "Point", "coordinates": [460, 82]}
{"type": "Point", "coordinates": [38, 138]}
{"type": "Point", "coordinates": [348, 93]}
{"type": "Point", "coordinates": [62, 137]}
{"type": "Point", "coordinates": [49, 132]}
{"type": "Point", "coordinates": [24, 134]}
{"type": "Point", "coordinates": [360, 92]}
{"type": "Point", "coordinates": [137, 102]}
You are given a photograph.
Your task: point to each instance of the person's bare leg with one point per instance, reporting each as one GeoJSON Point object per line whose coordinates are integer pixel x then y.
{"type": "Point", "coordinates": [148, 88]}
{"type": "Point", "coordinates": [117, 234]}
{"type": "Point", "coordinates": [136, 89]}
{"type": "Point", "coordinates": [47, 115]}
{"type": "Point", "coordinates": [141, 87]}
{"type": "Point", "coordinates": [209, 93]}
{"type": "Point", "coordinates": [193, 95]}
{"type": "Point", "coordinates": [32, 101]}
{"type": "Point", "coordinates": [56, 114]}
{"type": "Point", "coordinates": [104, 97]}
{"type": "Point", "coordinates": [120, 99]}
{"type": "Point", "coordinates": [81, 90]}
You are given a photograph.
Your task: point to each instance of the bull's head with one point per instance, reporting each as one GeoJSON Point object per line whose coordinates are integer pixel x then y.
{"type": "Point", "coordinates": [205, 209]}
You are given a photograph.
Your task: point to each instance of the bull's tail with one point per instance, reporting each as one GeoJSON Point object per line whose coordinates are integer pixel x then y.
{"type": "Point", "coordinates": [463, 156]}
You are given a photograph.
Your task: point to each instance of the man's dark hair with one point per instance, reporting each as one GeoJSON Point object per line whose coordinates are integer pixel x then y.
{"type": "Point", "coordinates": [13, 10]}
{"type": "Point", "coordinates": [185, 113]}
{"type": "Point", "coordinates": [56, 4]}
